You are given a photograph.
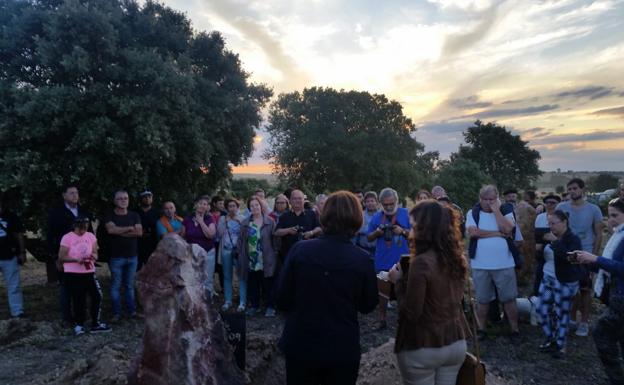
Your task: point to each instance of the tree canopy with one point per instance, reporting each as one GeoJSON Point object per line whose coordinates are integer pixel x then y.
{"type": "Point", "coordinates": [110, 94]}
{"type": "Point", "coordinates": [462, 180]}
{"type": "Point", "coordinates": [327, 140]}
{"type": "Point", "coordinates": [601, 182]}
{"type": "Point", "coordinates": [501, 155]}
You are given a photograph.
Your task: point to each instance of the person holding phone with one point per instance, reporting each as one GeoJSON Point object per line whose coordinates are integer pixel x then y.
{"type": "Point", "coordinates": [431, 336]}
{"type": "Point", "coordinates": [560, 282]}
{"type": "Point", "coordinates": [608, 331]}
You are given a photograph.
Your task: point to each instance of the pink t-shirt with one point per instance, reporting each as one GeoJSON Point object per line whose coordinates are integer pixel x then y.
{"type": "Point", "coordinates": [79, 246]}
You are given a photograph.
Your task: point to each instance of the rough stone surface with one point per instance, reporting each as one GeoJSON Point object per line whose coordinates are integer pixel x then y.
{"type": "Point", "coordinates": [184, 339]}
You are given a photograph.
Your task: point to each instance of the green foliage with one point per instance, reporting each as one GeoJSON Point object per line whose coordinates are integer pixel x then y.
{"type": "Point", "coordinates": [560, 189]}
{"type": "Point", "coordinates": [504, 157]}
{"type": "Point", "coordinates": [602, 182]}
{"type": "Point", "coordinates": [462, 179]}
{"type": "Point", "coordinates": [326, 140]}
{"type": "Point", "coordinates": [245, 187]}
{"type": "Point", "coordinates": [110, 94]}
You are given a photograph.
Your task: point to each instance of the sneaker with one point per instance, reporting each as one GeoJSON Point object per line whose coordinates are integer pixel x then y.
{"type": "Point", "coordinates": [252, 311]}
{"type": "Point", "coordinates": [241, 308]}
{"type": "Point", "coordinates": [100, 328]}
{"type": "Point", "coordinates": [270, 312]}
{"type": "Point", "coordinates": [548, 345]}
{"type": "Point", "coordinates": [582, 330]}
{"type": "Point", "coordinates": [559, 353]}
{"type": "Point", "coordinates": [226, 306]}
{"type": "Point", "coordinates": [78, 330]}
{"type": "Point", "coordinates": [380, 325]}
{"type": "Point", "coordinates": [116, 319]}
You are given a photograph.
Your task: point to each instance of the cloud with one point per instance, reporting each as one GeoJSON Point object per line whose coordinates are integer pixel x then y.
{"type": "Point", "coordinates": [255, 32]}
{"type": "Point", "coordinates": [592, 92]}
{"type": "Point", "coordinates": [469, 102]}
{"type": "Point", "coordinates": [444, 127]}
{"type": "Point", "coordinates": [503, 112]}
{"type": "Point", "coordinates": [618, 111]}
{"type": "Point", "coordinates": [456, 43]}
{"type": "Point", "coordinates": [583, 160]}
{"type": "Point", "coordinates": [593, 136]}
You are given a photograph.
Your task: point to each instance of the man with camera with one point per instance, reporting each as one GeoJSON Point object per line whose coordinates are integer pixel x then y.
{"type": "Point", "coordinates": [389, 228]}
{"type": "Point", "coordinates": [297, 224]}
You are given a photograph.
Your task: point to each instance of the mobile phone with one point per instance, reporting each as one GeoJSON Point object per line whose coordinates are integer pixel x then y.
{"type": "Point", "coordinates": [404, 261]}
{"type": "Point", "coordinates": [573, 257]}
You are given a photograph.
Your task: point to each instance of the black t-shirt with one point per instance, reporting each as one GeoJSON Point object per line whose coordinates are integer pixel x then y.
{"type": "Point", "coordinates": [9, 226]}
{"type": "Point", "coordinates": [307, 220]}
{"type": "Point", "coordinates": [122, 246]}
{"type": "Point", "coordinates": [149, 240]}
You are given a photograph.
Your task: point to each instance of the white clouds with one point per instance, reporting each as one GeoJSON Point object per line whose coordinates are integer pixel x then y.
{"type": "Point", "coordinates": [462, 4]}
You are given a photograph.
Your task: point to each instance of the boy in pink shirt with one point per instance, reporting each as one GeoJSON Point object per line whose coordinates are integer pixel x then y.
{"type": "Point", "coordinates": [78, 253]}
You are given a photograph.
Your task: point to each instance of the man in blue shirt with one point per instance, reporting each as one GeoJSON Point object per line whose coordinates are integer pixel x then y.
{"type": "Point", "coordinates": [389, 228]}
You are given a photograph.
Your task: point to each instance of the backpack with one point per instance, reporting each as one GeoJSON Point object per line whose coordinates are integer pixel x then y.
{"type": "Point", "coordinates": [505, 209]}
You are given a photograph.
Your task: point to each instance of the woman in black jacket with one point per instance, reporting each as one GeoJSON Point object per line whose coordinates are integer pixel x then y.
{"type": "Point", "coordinates": [560, 282]}
{"type": "Point", "coordinates": [325, 282]}
{"type": "Point", "coordinates": [609, 331]}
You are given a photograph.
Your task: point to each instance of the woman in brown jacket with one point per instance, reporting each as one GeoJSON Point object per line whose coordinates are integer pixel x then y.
{"type": "Point", "coordinates": [431, 336]}
{"type": "Point", "coordinates": [256, 259]}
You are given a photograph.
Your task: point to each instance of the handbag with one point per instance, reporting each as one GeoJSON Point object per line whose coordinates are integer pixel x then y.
{"type": "Point", "coordinates": [234, 253]}
{"type": "Point", "coordinates": [472, 371]}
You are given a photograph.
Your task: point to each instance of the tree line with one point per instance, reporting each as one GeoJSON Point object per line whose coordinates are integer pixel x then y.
{"type": "Point", "coordinates": [113, 94]}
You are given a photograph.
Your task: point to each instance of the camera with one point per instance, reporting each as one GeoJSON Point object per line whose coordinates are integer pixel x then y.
{"type": "Point", "coordinates": [387, 231]}
{"type": "Point", "coordinates": [300, 232]}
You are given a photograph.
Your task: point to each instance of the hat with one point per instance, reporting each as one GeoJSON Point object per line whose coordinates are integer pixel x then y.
{"type": "Point", "coordinates": [145, 192]}
{"type": "Point", "coordinates": [551, 196]}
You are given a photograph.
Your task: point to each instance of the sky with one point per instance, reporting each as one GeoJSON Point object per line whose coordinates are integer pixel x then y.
{"type": "Point", "coordinates": [550, 71]}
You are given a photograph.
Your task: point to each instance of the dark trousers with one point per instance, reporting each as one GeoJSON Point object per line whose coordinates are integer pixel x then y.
{"type": "Point", "coordinates": [259, 286]}
{"type": "Point", "coordinates": [79, 285]}
{"type": "Point", "coordinates": [608, 333]}
{"type": "Point", "coordinates": [304, 373]}
{"type": "Point", "coordinates": [539, 275]}
{"type": "Point", "coordinates": [64, 297]}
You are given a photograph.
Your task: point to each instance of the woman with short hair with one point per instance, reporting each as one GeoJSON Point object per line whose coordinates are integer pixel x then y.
{"type": "Point", "coordinates": [325, 282]}
{"type": "Point", "coordinates": [431, 337]}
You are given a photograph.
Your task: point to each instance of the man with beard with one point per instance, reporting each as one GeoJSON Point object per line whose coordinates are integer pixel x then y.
{"type": "Point", "coordinates": [389, 228]}
{"type": "Point", "coordinates": [585, 221]}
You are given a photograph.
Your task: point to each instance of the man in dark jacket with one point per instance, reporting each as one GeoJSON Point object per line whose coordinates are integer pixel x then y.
{"type": "Point", "coordinates": [60, 222]}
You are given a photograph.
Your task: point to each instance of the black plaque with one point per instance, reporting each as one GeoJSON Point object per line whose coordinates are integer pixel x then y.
{"type": "Point", "coordinates": [236, 334]}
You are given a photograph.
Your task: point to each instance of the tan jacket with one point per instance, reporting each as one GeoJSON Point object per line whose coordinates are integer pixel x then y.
{"type": "Point", "coordinates": [430, 311]}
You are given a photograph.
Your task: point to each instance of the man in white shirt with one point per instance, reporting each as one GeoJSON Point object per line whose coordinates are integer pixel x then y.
{"type": "Point", "coordinates": [490, 230]}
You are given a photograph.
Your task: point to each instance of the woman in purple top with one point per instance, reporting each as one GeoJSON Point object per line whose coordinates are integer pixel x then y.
{"type": "Point", "coordinates": [199, 227]}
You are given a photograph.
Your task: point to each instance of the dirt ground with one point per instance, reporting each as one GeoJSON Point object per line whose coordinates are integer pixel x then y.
{"type": "Point", "coordinates": [40, 350]}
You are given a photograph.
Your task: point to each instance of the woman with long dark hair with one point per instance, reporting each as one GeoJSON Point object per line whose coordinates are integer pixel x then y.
{"type": "Point", "coordinates": [431, 336]}
{"type": "Point", "coordinates": [324, 284]}
{"type": "Point", "coordinates": [560, 283]}
{"type": "Point", "coordinates": [608, 331]}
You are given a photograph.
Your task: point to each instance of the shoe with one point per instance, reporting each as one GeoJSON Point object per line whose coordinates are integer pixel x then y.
{"type": "Point", "coordinates": [252, 311]}
{"type": "Point", "coordinates": [482, 335]}
{"type": "Point", "coordinates": [548, 345]}
{"type": "Point", "coordinates": [101, 327]}
{"type": "Point", "coordinates": [270, 312]}
{"type": "Point", "coordinates": [116, 319]}
{"type": "Point", "coordinates": [559, 353]}
{"type": "Point", "coordinates": [241, 308]}
{"type": "Point", "coordinates": [226, 306]}
{"type": "Point", "coordinates": [78, 330]}
{"type": "Point", "coordinates": [381, 325]}
{"type": "Point", "coordinates": [582, 330]}
{"type": "Point", "coordinates": [136, 316]}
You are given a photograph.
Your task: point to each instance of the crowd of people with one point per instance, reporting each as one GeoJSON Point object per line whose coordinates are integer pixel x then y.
{"type": "Point", "coordinates": [320, 264]}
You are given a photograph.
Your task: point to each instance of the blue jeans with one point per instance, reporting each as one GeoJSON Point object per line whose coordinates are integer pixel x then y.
{"type": "Point", "coordinates": [122, 270]}
{"type": "Point", "coordinates": [10, 270]}
{"type": "Point", "coordinates": [227, 264]}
